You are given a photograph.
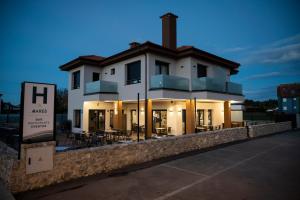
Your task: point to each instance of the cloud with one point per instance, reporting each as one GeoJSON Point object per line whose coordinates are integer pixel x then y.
{"type": "Point", "coordinates": [282, 51]}
{"type": "Point", "coordinates": [235, 49]}
{"type": "Point", "coordinates": [264, 75]}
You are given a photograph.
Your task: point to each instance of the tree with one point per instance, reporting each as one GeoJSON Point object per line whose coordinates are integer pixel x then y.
{"type": "Point", "coordinates": [61, 101]}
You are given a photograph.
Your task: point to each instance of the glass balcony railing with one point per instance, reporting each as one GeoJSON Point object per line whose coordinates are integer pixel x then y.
{"type": "Point", "coordinates": [234, 88]}
{"type": "Point", "coordinates": [208, 84]}
{"type": "Point", "coordinates": [163, 81]}
{"type": "Point", "coordinates": [101, 87]}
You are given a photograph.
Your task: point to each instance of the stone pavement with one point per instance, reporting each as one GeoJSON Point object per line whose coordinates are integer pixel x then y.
{"type": "Point", "coordinates": [263, 168]}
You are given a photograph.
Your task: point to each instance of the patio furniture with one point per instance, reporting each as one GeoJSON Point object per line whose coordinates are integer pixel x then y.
{"type": "Point", "coordinates": [161, 130]}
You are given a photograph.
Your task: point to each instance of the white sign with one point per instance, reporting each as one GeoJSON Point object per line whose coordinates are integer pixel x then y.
{"type": "Point", "coordinates": [38, 112]}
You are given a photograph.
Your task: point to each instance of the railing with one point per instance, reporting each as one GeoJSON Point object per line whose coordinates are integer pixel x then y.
{"type": "Point", "coordinates": [208, 84]}
{"type": "Point", "coordinates": [234, 88]}
{"type": "Point", "coordinates": [101, 87]}
{"type": "Point", "coordinates": [162, 81]}
{"type": "Point", "coordinates": [215, 85]}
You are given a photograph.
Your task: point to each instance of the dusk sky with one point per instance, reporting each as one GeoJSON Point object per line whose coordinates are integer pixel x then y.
{"type": "Point", "coordinates": [37, 37]}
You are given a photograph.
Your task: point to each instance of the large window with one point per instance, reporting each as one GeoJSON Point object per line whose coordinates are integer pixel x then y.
{"type": "Point", "coordinates": [161, 67]}
{"type": "Point", "coordinates": [159, 123]}
{"type": "Point", "coordinates": [77, 118]}
{"type": "Point", "coordinates": [76, 80]}
{"type": "Point", "coordinates": [133, 72]}
{"type": "Point", "coordinates": [200, 118]}
{"type": "Point", "coordinates": [209, 117]}
{"type": "Point", "coordinates": [96, 76]}
{"type": "Point", "coordinates": [201, 71]}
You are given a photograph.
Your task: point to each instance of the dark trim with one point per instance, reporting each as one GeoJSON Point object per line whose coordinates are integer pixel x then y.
{"type": "Point", "coordinates": [54, 114]}
{"type": "Point", "coordinates": [92, 93]}
{"type": "Point", "coordinates": [169, 89]}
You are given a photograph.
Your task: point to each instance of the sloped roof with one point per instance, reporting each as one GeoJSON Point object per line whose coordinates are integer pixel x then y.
{"type": "Point", "coordinates": [180, 52]}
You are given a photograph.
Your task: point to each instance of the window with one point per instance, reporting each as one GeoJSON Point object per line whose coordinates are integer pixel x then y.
{"type": "Point", "coordinates": [209, 117]}
{"type": "Point", "coordinates": [284, 108]}
{"type": "Point", "coordinates": [134, 72]}
{"type": "Point", "coordinates": [112, 71]}
{"type": "Point", "coordinates": [284, 100]}
{"type": "Point", "coordinates": [159, 121]}
{"type": "Point", "coordinates": [77, 118]}
{"type": "Point", "coordinates": [161, 67]}
{"type": "Point", "coordinates": [200, 117]}
{"type": "Point", "coordinates": [111, 118]}
{"type": "Point", "coordinates": [201, 71]}
{"type": "Point", "coordinates": [96, 76]}
{"type": "Point", "coordinates": [76, 80]}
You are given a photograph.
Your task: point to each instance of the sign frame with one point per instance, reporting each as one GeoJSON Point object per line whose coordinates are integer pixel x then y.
{"type": "Point", "coordinates": [21, 123]}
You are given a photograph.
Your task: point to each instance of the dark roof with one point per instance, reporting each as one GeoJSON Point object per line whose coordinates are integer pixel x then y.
{"type": "Point", "coordinates": [289, 90]}
{"type": "Point", "coordinates": [180, 52]}
{"type": "Point", "coordinates": [81, 60]}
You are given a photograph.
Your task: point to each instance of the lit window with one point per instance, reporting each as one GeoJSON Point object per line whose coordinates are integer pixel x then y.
{"type": "Point", "coordinates": [295, 99]}
{"type": "Point", "coordinates": [284, 108]}
{"type": "Point", "coordinates": [284, 100]}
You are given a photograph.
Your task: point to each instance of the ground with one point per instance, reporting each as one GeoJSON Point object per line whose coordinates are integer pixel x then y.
{"type": "Point", "coordinates": [263, 168]}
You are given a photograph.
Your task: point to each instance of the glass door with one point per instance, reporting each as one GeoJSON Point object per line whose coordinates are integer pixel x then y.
{"type": "Point", "coordinates": [159, 121]}
{"type": "Point", "coordinates": [96, 120]}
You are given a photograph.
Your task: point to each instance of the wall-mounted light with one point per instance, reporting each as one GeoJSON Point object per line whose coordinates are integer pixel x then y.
{"type": "Point", "coordinates": [171, 109]}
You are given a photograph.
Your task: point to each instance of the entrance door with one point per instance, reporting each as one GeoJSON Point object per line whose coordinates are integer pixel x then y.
{"type": "Point", "coordinates": [184, 121]}
{"type": "Point", "coordinates": [96, 120]}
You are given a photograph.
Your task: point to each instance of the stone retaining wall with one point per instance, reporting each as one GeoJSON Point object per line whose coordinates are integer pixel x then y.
{"type": "Point", "coordinates": [85, 162]}
{"type": "Point", "coordinates": [7, 158]}
{"type": "Point", "coordinates": [266, 129]}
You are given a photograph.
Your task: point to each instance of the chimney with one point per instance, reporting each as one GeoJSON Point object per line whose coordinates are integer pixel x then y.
{"type": "Point", "coordinates": [133, 44]}
{"type": "Point", "coordinates": [169, 30]}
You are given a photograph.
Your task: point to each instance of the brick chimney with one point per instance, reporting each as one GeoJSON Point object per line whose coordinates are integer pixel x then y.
{"type": "Point", "coordinates": [169, 30]}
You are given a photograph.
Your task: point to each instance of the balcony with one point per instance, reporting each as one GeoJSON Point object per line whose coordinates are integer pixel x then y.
{"type": "Point", "coordinates": [215, 85]}
{"type": "Point", "coordinates": [234, 88]}
{"type": "Point", "coordinates": [101, 87]}
{"type": "Point", "coordinates": [162, 81]}
{"type": "Point", "coordinates": [208, 84]}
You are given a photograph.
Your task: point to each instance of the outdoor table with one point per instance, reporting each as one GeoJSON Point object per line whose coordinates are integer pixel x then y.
{"type": "Point", "coordinates": [201, 128]}
{"type": "Point", "coordinates": [111, 133]}
{"type": "Point", "coordinates": [160, 130]}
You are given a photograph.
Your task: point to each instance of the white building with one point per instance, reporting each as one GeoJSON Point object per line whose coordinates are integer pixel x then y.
{"type": "Point", "coordinates": [181, 89]}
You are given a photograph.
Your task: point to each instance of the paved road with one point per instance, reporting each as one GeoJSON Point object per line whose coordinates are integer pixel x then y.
{"type": "Point", "coordinates": [264, 168]}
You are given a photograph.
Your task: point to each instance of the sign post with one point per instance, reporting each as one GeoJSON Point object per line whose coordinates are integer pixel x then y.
{"type": "Point", "coordinates": [38, 120]}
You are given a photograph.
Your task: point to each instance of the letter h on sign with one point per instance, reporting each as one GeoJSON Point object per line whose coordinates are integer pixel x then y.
{"type": "Point", "coordinates": [35, 94]}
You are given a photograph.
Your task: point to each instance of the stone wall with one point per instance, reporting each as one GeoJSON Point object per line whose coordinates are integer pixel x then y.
{"type": "Point", "coordinates": [266, 129]}
{"type": "Point", "coordinates": [85, 162]}
{"type": "Point", "coordinates": [7, 158]}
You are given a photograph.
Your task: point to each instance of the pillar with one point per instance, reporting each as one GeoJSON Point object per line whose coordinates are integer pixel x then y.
{"type": "Point", "coordinates": [227, 115]}
{"type": "Point", "coordinates": [190, 116]}
{"type": "Point", "coordinates": [148, 111]}
{"type": "Point", "coordinates": [119, 108]}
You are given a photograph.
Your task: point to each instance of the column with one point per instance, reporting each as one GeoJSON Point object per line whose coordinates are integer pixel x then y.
{"type": "Point", "coordinates": [227, 115]}
{"type": "Point", "coordinates": [119, 109]}
{"type": "Point", "coordinates": [190, 116]}
{"type": "Point", "coordinates": [148, 111]}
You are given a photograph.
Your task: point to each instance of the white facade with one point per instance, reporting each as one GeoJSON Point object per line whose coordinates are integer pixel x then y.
{"type": "Point", "coordinates": [185, 67]}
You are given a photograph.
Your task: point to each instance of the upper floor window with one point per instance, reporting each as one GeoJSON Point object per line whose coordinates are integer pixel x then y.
{"type": "Point", "coordinates": [201, 71]}
{"type": "Point", "coordinates": [112, 71]}
{"type": "Point", "coordinates": [76, 80]}
{"type": "Point", "coordinates": [77, 118]}
{"type": "Point", "coordinates": [96, 76]}
{"type": "Point", "coordinates": [133, 72]}
{"type": "Point", "coordinates": [161, 67]}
